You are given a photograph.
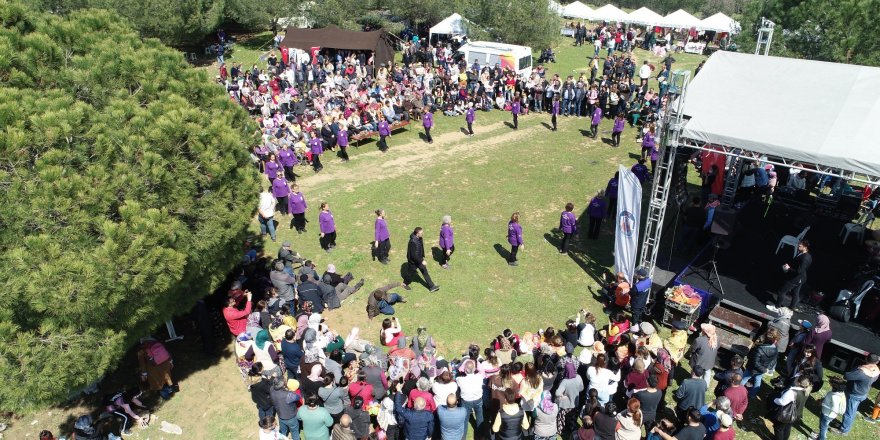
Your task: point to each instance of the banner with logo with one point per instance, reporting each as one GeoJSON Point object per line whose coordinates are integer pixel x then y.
{"type": "Point", "coordinates": [629, 211]}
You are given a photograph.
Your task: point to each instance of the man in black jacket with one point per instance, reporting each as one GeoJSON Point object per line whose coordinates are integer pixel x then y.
{"type": "Point", "coordinates": [309, 291]}
{"type": "Point", "coordinates": [415, 260]}
{"type": "Point", "coordinates": [797, 277]}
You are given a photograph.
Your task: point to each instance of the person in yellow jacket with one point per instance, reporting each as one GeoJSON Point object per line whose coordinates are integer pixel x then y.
{"type": "Point", "coordinates": [676, 344]}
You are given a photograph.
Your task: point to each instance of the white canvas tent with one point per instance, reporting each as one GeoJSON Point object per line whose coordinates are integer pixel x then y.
{"type": "Point", "coordinates": [555, 7]}
{"type": "Point", "coordinates": [758, 103]}
{"type": "Point", "coordinates": [577, 10]}
{"type": "Point", "coordinates": [720, 23]}
{"type": "Point", "coordinates": [609, 13]}
{"type": "Point", "coordinates": [644, 16]}
{"type": "Point", "coordinates": [453, 25]}
{"type": "Point", "coordinates": [681, 19]}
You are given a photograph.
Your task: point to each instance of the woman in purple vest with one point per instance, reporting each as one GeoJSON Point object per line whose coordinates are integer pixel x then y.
{"type": "Point", "coordinates": [317, 148]}
{"type": "Point", "coordinates": [382, 239]}
{"type": "Point", "coordinates": [328, 227]}
{"type": "Point", "coordinates": [288, 161]}
{"type": "Point", "coordinates": [280, 190]}
{"type": "Point", "coordinates": [619, 123]}
{"type": "Point", "coordinates": [447, 241]}
{"type": "Point", "coordinates": [514, 110]}
{"type": "Point", "coordinates": [384, 132]}
{"type": "Point", "coordinates": [514, 237]}
{"type": "Point", "coordinates": [469, 116]}
{"type": "Point", "coordinates": [568, 226]}
{"type": "Point", "coordinates": [342, 141]}
{"type": "Point", "coordinates": [296, 205]}
{"type": "Point", "coordinates": [272, 167]}
{"type": "Point", "coordinates": [596, 211]}
{"type": "Point", "coordinates": [428, 123]}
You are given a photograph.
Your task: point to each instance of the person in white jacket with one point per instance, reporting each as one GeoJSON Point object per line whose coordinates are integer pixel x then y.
{"type": "Point", "coordinates": [833, 405]}
{"type": "Point", "coordinates": [603, 380]}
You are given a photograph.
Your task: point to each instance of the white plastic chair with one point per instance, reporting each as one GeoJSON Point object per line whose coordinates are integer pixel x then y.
{"type": "Point", "coordinates": [792, 241]}
{"type": "Point", "coordinates": [857, 301]}
{"type": "Point", "coordinates": [852, 228]}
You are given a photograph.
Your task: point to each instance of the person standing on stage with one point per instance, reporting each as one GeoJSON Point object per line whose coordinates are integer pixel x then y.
{"type": "Point", "coordinates": [797, 277]}
{"type": "Point", "coordinates": [342, 142]}
{"type": "Point", "coordinates": [554, 111]}
{"type": "Point", "coordinates": [328, 227]}
{"type": "Point", "coordinates": [415, 261]}
{"type": "Point", "coordinates": [568, 226]}
{"type": "Point", "coordinates": [296, 205]}
{"type": "Point", "coordinates": [382, 242]}
{"type": "Point", "coordinates": [514, 110]}
{"type": "Point", "coordinates": [428, 123]}
{"type": "Point", "coordinates": [597, 212]}
{"type": "Point", "coordinates": [469, 116]}
{"type": "Point", "coordinates": [281, 190]}
{"type": "Point", "coordinates": [594, 123]}
{"type": "Point", "coordinates": [447, 241]}
{"type": "Point", "coordinates": [514, 237]}
{"type": "Point", "coordinates": [317, 149]}
{"type": "Point", "coordinates": [611, 194]}
{"type": "Point", "coordinates": [619, 123]}
{"type": "Point", "coordinates": [384, 132]}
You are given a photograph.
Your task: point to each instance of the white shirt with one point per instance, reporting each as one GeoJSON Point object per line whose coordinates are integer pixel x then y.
{"type": "Point", "coordinates": [787, 397]}
{"type": "Point", "coordinates": [602, 379]}
{"type": "Point", "coordinates": [267, 204]}
{"type": "Point", "coordinates": [442, 391]}
{"type": "Point", "coordinates": [471, 387]}
{"type": "Point", "coordinates": [645, 71]}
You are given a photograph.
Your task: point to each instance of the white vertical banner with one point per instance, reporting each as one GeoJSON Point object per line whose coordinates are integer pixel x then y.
{"type": "Point", "coordinates": [629, 211]}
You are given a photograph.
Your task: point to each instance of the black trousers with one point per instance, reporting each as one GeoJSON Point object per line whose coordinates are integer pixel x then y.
{"type": "Point", "coordinates": [382, 250]}
{"type": "Point", "coordinates": [513, 250]}
{"type": "Point", "coordinates": [470, 128]}
{"type": "Point", "coordinates": [553, 120]}
{"type": "Point", "coordinates": [316, 162]}
{"type": "Point", "coordinates": [328, 240]}
{"type": "Point", "coordinates": [299, 222]}
{"type": "Point", "coordinates": [282, 205]}
{"type": "Point", "coordinates": [383, 144]}
{"type": "Point", "coordinates": [595, 227]}
{"type": "Point", "coordinates": [792, 287]}
{"type": "Point", "coordinates": [612, 206]}
{"type": "Point", "coordinates": [428, 134]}
{"type": "Point", "coordinates": [289, 174]}
{"type": "Point", "coordinates": [566, 237]}
{"type": "Point", "coordinates": [595, 130]}
{"type": "Point", "coordinates": [781, 431]}
{"type": "Point", "coordinates": [343, 153]}
{"type": "Point", "coordinates": [615, 138]}
{"type": "Point", "coordinates": [515, 121]}
{"type": "Point", "coordinates": [444, 258]}
{"type": "Point", "coordinates": [411, 270]}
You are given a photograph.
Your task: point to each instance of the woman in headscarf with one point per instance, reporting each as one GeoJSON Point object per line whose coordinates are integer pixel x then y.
{"type": "Point", "coordinates": [386, 419]}
{"type": "Point", "coordinates": [704, 350]}
{"type": "Point", "coordinates": [820, 335]}
{"type": "Point", "coordinates": [314, 381]}
{"type": "Point", "coordinates": [545, 418]}
{"type": "Point", "coordinates": [264, 352]}
{"type": "Point", "coordinates": [567, 393]}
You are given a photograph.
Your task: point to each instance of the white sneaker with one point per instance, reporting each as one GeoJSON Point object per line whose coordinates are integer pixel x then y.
{"type": "Point", "coordinates": [772, 308]}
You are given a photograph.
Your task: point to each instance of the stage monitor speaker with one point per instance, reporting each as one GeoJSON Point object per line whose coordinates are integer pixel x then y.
{"type": "Point", "coordinates": [723, 221]}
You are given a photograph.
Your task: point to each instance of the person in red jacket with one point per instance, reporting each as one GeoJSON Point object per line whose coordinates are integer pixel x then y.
{"type": "Point", "coordinates": [237, 319]}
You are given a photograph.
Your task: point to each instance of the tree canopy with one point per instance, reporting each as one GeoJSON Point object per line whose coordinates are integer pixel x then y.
{"type": "Point", "coordinates": [126, 191]}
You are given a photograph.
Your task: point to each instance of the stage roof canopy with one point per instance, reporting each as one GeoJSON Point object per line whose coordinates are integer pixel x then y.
{"type": "Point", "coordinates": [334, 38]}
{"type": "Point", "coordinates": [772, 106]}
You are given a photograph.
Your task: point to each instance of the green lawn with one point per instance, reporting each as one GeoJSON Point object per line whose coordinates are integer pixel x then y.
{"type": "Point", "coordinates": [479, 181]}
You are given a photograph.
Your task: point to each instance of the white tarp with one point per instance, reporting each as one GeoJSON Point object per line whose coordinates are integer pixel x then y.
{"type": "Point", "coordinates": [452, 25]}
{"type": "Point", "coordinates": [681, 19]}
{"type": "Point", "coordinates": [609, 13]}
{"type": "Point", "coordinates": [577, 10]}
{"type": "Point", "coordinates": [629, 214]}
{"type": "Point", "coordinates": [644, 16]}
{"type": "Point", "coordinates": [772, 106]}
{"type": "Point", "coordinates": [555, 7]}
{"type": "Point", "coordinates": [720, 23]}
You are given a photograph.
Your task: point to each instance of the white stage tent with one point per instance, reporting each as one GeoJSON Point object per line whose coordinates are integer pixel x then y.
{"type": "Point", "coordinates": [453, 25]}
{"type": "Point", "coordinates": [720, 23]}
{"type": "Point", "coordinates": [609, 13]}
{"type": "Point", "coordinates": [757, 103]}
{"type": "Point", "coordinates": [681, 19]}
{"type": "Point", "coordinates": [644, 16]}
{"type": "Point", "coordinates": [577, 10]}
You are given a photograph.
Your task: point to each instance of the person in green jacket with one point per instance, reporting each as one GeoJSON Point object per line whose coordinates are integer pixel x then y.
{"type": "Point", "coordinates": [316, 420]}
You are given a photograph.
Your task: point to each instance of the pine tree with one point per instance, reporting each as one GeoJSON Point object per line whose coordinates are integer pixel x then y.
{"type": "Point", "coordinates": [125, 191]}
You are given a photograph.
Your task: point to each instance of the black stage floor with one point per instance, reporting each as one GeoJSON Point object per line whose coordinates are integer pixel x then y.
{"type": "Point", "coordinates": [750, 271]}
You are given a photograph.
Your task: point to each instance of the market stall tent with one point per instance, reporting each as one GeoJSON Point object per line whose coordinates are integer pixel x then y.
{"type": "Point", "coordinates": [455, 24]}
{"type": "Point", "coordinates": [577, 10]}
{"type": "Point", "coordinates": [681, 19]}
{"type": "Point", "coordinates": [334, 38]}
{"type": "Point", "coordinates": [644, 16]}
{"type": "Point", "coordinates": [609, 13]}
{"type": "Point", "coordinates": [555, 7]}
{"type": "Point", "coordinates": [757, 103]}
{"type": "Point", "coordinates": [720, 23]}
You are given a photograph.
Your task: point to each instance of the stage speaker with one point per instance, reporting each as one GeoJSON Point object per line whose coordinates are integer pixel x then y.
{"type": "Point", "coordinates": [724, 221]}
{"type": "Point", "coordinates": [837, 363]}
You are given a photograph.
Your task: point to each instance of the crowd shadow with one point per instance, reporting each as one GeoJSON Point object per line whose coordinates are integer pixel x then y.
{"type": "Point", "coordinates": [584, 255]}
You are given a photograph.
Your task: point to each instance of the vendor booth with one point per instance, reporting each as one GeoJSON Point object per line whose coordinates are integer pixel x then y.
{"type": "Point", "coordinates": [644, 17]}
{"type": "Point", "coordinates": [610, 14]}
{"type": "Point", "coordinates": [752, 111]}
{"type": "Point", "coordinates": [331, 37]}
{"type": "Point", "coordinates": [577, 10]}
{"type": "Point", "coordinates": [452, 26]}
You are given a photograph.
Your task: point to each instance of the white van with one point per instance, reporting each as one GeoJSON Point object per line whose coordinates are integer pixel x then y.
{"type": "Point", "coordinates": [508, 56]}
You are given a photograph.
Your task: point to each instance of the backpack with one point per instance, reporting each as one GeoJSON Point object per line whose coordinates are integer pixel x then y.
{"type": "Point", "coordinates": [664, 359]}
{"type": "Point", "coordinates": [157, 353]}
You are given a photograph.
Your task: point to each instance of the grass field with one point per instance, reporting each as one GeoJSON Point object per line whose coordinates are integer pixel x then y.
{"type": "Point", "coordinates": [479, 181]}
